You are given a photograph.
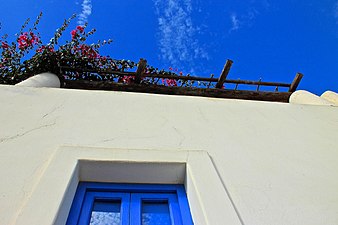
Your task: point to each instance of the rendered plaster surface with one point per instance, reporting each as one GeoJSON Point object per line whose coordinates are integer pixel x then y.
{"type": "Point", "coordinates": [278, 161]}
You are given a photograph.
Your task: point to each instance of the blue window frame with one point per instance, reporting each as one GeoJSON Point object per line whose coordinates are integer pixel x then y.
{"type": "Point", "coordinates": [129, 204]}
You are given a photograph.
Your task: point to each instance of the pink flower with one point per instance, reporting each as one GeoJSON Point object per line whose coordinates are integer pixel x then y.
{"type": "Point", "coordinates": [73, 33]}
{"type": "Point", "coordinates": [4, 45]}
{"type": "Point", "coordinates": [24, 41]}
{"type": "Point", "coordinates": [80, 28]}
{"type": "Point", "coordinates": [42, 48]}
{"type": "Point", "coordinates": [170, 82]}
{"type": "Point", "coordinates": [126, 79]}
{"type": "Point", "coordinates": [87, 51]}
{"type": "Point", "coordinates": [34, 38]}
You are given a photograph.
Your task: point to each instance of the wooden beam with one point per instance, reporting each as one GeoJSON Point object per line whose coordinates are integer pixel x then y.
{"type": "Point", "coordinates": [224, 74]}
{"type": "Point", "coordinates": [207, 79]}
{"type": "Point", "coordinates": [295, 82]}
{"type": "Point", "coordinates": [173, 90]}
{"type": "Point", "coordinates": [260, 83]}
{"type": "Point", "coordinates": [150, 75]}
{"type": "Point", "coordinates": [98, 71]}
{"type": "Point", "coordinates": [142, 64]}
{"type": "Point", "coordinates": [106, 72]}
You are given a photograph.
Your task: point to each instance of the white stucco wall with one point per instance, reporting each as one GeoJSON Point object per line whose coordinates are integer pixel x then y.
{"type": "Point", "coordinates": [278, 161]}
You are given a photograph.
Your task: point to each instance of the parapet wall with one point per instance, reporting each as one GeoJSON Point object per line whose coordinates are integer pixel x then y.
{"type": "Point", "coordinates": [278, 162]}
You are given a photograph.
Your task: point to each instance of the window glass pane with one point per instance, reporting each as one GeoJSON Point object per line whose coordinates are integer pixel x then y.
{"type": "Point", "coordinates": [106, 212]}
{"type": "Point", "coordinates": [155, 213]}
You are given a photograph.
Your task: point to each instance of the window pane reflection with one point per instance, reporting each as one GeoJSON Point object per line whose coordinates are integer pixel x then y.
{"type": "Point", "coordinates": [106, 213]}
{"type": "Point", "coordinates": [155, 213]}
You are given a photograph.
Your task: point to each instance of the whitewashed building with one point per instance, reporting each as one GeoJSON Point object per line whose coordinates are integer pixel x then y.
{"type": "Point", "coordinates": [242, 162]}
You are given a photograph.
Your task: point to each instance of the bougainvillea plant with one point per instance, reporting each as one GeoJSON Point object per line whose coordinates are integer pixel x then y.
{"type": "Point", "coordinates": [27, 56]}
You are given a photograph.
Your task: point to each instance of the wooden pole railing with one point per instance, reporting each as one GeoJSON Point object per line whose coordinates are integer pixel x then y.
{"type": "Point", "coordinates": [140, 73]}
{"type": "Point", "coordinates": [224, 74]}
{"type": "Point", "coordinates": [295, 82]}
{"type": "Point", "coordinates": [140, 69]}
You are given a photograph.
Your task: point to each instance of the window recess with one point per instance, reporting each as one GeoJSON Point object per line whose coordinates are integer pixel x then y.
{"type": "Point", "coordinates": [129, 204]}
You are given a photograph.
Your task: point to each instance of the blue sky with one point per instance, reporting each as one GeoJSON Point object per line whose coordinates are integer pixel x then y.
{"type": "Point", "coordinates": [272, 40]}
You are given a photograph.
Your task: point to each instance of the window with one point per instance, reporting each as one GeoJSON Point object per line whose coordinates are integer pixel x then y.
{"type": "Point", "coordinates": [129, 204]}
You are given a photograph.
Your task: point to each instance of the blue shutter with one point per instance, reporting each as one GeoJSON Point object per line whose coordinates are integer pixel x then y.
{"type": "Point", "coordinates": [105, 202]}
{"type": "Point", "coordinates": [132, 204]}
{"type": "Point", "coordinates": [151, 207]}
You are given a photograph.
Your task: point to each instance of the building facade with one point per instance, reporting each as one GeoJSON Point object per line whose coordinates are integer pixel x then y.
{"type": "Point", "coordinates": [241, 162]}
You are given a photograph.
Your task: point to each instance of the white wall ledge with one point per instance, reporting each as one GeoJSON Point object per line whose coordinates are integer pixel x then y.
{"type": "Point", "coordinates": [331, 97]}
{"type": "Point", "coordinates": [307, 98]}
{"type": "Point", "coordinates": [42, 80]}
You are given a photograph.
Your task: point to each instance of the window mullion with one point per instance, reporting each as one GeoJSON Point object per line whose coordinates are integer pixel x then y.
{"type": "Point", "coordinates": [135, 209]}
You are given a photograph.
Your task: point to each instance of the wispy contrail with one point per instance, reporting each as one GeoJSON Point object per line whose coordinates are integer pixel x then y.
{"type": "Point", "coordinates": [177, 41]}
{"type": "Point", "coordinates": [235, 22]}
{"type": "Point", "coordinates": [85, 13]}
{"type": "Point", "coordinates": [247, 17]}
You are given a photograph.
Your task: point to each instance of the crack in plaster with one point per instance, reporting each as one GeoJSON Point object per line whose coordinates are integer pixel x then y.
{"type": "Point", "coordinates": [53, 110]}
{"type": "Point", "coordinates": [203, 115]}
{"type": "Point", "coordinates": [24, 133]}
{"type": "Point", "coordinates": [181, 135]}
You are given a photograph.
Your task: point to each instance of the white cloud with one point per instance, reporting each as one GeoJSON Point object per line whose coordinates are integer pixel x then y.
{"type": "Point", "coordinates": [235, 22]}
{"type": "Point", "coordinates": [246, 17]}
{"type": "Point", "coordinates": [86, 12]}
{"type": "Point", "coordinates": [177, 34]}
